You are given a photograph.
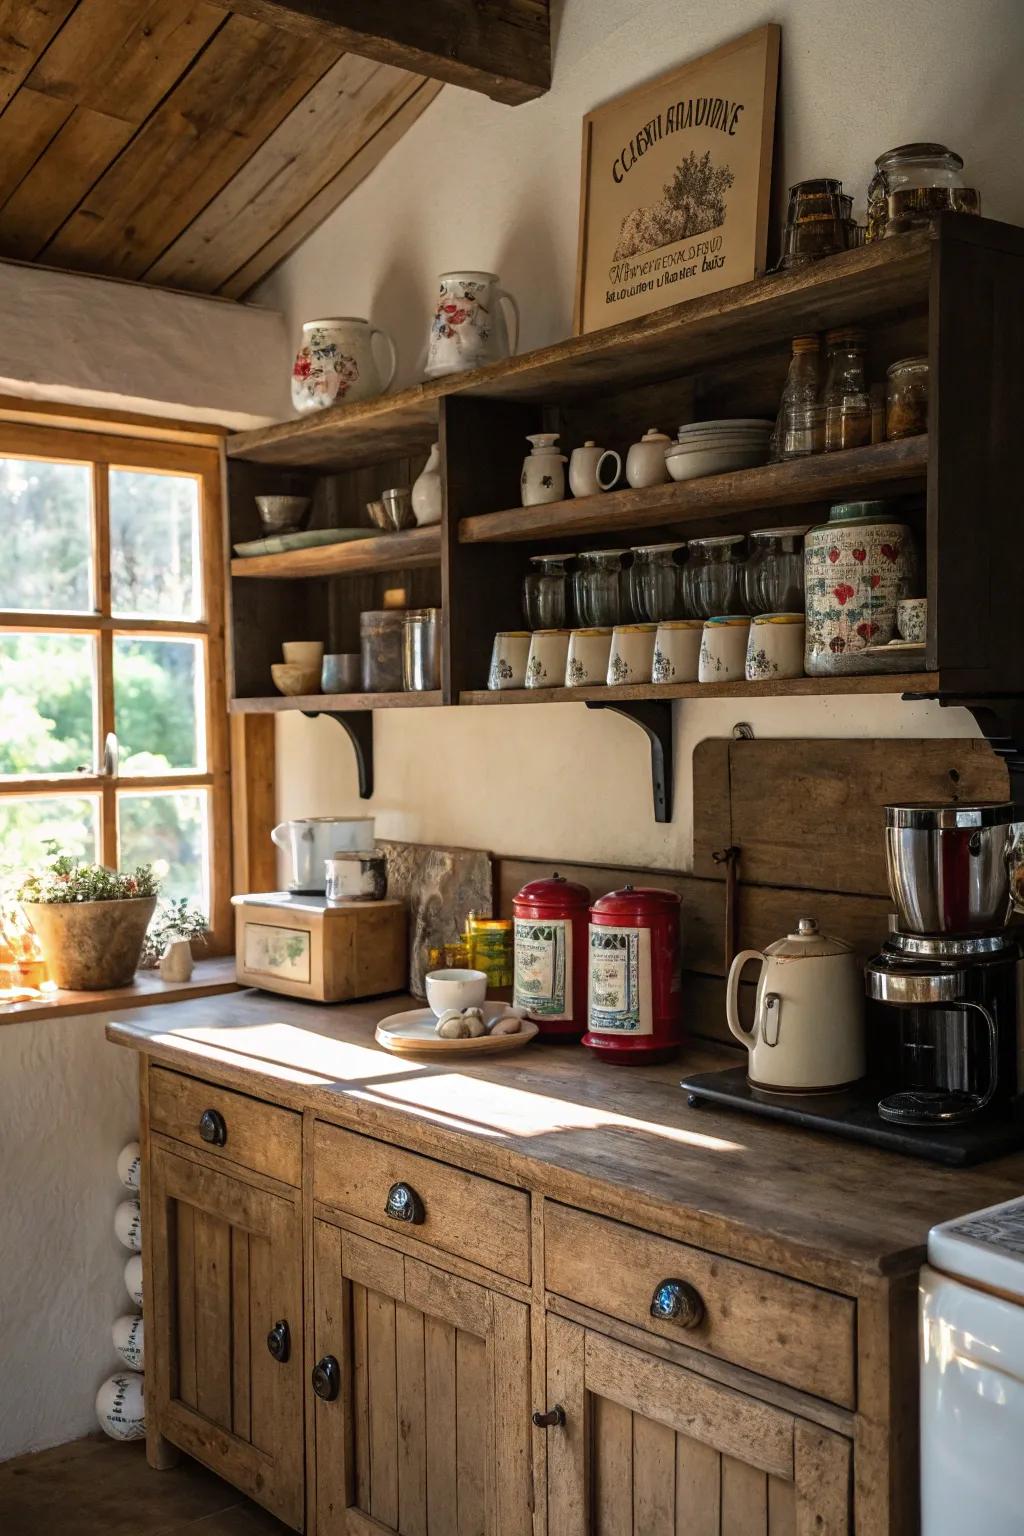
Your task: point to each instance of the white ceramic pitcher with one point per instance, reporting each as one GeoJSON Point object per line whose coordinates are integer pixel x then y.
{"type": "Point", "coordinates": [335, 364]}
{"type": "Point", "coordinates": [468, 328]}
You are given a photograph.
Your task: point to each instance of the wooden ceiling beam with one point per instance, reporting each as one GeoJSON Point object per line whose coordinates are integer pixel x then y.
{"type": "Point", "coordinates": [499, 47]}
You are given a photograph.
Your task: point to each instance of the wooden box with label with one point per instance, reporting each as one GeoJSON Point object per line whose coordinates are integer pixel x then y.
{"type": "Point", "coordinates": [304, 947]}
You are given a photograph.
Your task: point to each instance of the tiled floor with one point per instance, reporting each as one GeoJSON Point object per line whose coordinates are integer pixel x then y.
{"type": "Point", "coordinates": [97, 1487]}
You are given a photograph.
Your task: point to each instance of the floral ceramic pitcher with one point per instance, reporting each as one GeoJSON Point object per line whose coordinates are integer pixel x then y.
{"type": "Point", "coordinates": [335, 364]}
{"type": "Point", "coordinates": [468, 328]}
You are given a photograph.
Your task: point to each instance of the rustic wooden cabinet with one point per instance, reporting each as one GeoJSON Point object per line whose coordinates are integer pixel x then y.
{"type": "Point", "coordinates": [422, 1382]}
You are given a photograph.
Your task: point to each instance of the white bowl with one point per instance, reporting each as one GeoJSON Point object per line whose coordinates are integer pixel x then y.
{"type": "Point", "coordinates": [753, 424]}
{"type": "Point", "coordinates": [455, 989]}
{"type": "Point", "coordinates": [713, 461]}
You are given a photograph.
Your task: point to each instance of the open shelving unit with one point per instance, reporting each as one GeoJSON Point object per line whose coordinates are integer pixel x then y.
{"type": "Point", "coordinates": [954, 292]}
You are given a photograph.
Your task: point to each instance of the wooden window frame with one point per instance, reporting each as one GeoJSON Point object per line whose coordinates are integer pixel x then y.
{"type": "Point", "coordinates": [171, 450]}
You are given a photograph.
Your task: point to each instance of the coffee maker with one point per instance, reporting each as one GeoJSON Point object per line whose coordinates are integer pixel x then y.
{"type": "Point", "coordinates": [945, 1023]}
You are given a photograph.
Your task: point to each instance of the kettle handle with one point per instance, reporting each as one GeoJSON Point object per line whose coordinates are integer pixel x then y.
{"type": "Point", "coordinates": [732, 988]}
{"type": "Point", "coordinates": [280, 835]}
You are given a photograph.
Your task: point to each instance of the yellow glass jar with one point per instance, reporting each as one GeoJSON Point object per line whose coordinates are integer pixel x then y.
{"type": "Point", "coordinates": [490, 949]}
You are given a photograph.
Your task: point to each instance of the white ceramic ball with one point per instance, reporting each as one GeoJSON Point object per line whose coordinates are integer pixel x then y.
{"type": "Point", "coordinates": [128, 1225]}
{"type": "Point", "coordinates": [120, 1406]}
{"type": "Point", "coordinates": [129, 1163]}
{"type": "Point", "coordinates": [129, 1340]}
{"type": "Point", "coordinates": [133, 1278]}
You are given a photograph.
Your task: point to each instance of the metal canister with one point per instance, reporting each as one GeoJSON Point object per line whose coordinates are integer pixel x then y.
{"type": "Point", "coordinates": [380, 644]}
{"type": "Point", "coordinates": [551, 924]}
{"type": "Point", "coordinates": [635, 986]}
{"type": "Point", "coordinates": [421, 649]}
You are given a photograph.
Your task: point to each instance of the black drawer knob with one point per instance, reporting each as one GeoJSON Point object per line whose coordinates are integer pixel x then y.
{"type": "Point", "coordinates": [327, 1378]}
{"type": "Point", "coordinates": [213, 1127]}
{"type": "Point", "coordinates": [676, 1301]}
{"type": "Point", "coordinates": [404, 1204]}
{"type": "Point", "coordinates": [279, 1342]}
{"type": "Point", "coordinates": [553, 1419]}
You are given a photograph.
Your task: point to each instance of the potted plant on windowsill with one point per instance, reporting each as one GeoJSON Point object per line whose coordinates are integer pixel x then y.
{"type": "Point", "coordinates": [173, 931]}
{"type": "Point", "coordinates": [90, 921]}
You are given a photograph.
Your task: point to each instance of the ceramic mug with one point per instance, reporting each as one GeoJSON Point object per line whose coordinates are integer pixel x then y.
{"type": "Point", "coordinates": [723, 649]}
{"type": "Point", "coordinates": [304, 653]}
{"type": "Point", "coordinates": [775, 647]}
{"type": "Point", "coordinates": [549, 649]}
{"type": "Point", "coordinates": [587, 663]}
{"type": "Point", "coordinates": [912, 618]}
{"type": "Point", "coordinates": [632, 653]}
{"type": "Point", "coordinates": [677, 651]}
{"type": "Point", "coordinates": [508, 659]}
{"type": "Point", "coordinates": [585, 466]}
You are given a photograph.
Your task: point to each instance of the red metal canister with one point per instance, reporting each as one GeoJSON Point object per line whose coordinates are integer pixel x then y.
{"type": "Point", "coordinates": [634, 976]}
{"type": "Point", "coordinates": [551, 925]}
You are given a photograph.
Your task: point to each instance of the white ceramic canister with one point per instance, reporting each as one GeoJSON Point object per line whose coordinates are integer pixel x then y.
{"type": "Point", "coordinates": [356, 877]}
{"type": "Point", "coordinates": [426, 490]}
{"type": "Point", "coordinates": [468, 328]}
{"type": "Point", "coordinates": [509, 655]}
{"type": "Point", "coordinates": [549, 649]}
{"type": "Point", "coordinates": [723, 649]}
{"type": "Point", "coordinates": [775, 646]}
{"type": "Point", "coordinates": [585, 465]}
{"type": "Point", "coordinates": [645, 461]}
{"type": "Point", "coordinates": [335, 364]}
{"type": "Point", "coordinates": [543, 476]}
{"type": "Point", "coordinates": [632, 653]}
{"type": "Point", "coordinates": [857, 568]}
{"type": "Point", "coordinates": [677, 651]}
{"type": "Point", "coordinates": [587, 662]}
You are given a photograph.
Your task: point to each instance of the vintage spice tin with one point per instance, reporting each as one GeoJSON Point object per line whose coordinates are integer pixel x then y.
{"type": "Point", "coordinates": [634, 989]}
{"type": "Point", "coordinates": [551, 927]}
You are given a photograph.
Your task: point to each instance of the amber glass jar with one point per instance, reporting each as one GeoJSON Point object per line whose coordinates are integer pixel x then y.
{"type": "Point", "coordinates": [906, 398]}
{"type": "Point", "coordinates": [845, 396]}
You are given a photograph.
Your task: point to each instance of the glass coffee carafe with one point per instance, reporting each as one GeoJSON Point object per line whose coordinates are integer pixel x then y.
{"type": "Point", "coordinates": [546, 592]}
{"type": "Point", "coordinates": [711, 576]}
{"type": "Point", "coordinates": [601, 589]}
{"type": "Point", "coordinates": [773, 573]}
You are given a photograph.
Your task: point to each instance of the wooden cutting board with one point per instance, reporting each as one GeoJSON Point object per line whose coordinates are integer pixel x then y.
{"type": "Point", "coordinates": [441, 887]}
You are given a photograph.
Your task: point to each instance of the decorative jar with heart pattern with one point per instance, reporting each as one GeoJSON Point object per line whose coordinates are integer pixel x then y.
{"type": "Point", "coordinates": [857, 567]}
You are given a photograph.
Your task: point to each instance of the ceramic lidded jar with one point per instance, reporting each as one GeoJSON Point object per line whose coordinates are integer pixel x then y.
{"type": "Point", "coordinates": [468, 328]}
{"type": "Point", "coordinates": [857, 567]}
{"type": "Point", "coordinates": [645, 461]}
{"type": "Point", "coordinates": [543, 476]}
{"type": "Point", "coordinates": [335, 364]}
{"type": "Point", "coordinates": [551, 924]}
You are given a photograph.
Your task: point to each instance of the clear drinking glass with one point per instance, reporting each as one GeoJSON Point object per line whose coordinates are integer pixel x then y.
{"type": "Point", "coordinates": [546, 592]}
{"type": "Point", "coordinates": [711, 579]}
{"type": "Point", "coordinates": [773, 573]}
{"type": "Point", "coordinates": [602, 598]}
{"type": "Point", "coordinates": [656, 582]}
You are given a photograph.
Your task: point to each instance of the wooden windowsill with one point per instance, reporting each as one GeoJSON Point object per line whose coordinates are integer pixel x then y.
{"type": "Point", "coordinates": [208, 978]}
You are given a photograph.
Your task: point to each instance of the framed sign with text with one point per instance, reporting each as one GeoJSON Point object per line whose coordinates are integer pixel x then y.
{"type": "Point", "coordinates": [675, 184]}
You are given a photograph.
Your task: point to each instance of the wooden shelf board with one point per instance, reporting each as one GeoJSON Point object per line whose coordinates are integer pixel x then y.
{"type": "Point", "coordinates": [882, 469]}
{"type": "Point", "coordinates": [878, 279]}
{"type": "Point", "coordinates": [334, 703]}
{"type": "Point", "coordinates": [391, 552]}
{"type": "Point", "coordinates": [792, 687]}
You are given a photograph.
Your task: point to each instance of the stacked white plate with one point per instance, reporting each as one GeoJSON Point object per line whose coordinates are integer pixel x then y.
{"type": "Point", "coordinates": [716, 447]}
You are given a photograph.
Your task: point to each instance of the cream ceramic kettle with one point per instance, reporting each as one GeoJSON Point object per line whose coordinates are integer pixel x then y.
{"type": "Point", "coordinates": [808, 1030]}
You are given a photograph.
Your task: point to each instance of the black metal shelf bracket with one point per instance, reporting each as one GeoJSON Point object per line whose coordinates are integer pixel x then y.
{"type": "Point", "coordinates": [358, 725]}
{"type": "Point", "coordinates": [1000, 718]}
{"type": "Point", "coordinates": [654, 717]}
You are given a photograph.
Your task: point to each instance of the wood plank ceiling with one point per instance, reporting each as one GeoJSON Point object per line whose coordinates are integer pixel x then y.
{"type": "Point", "coordinates": [180, 142]}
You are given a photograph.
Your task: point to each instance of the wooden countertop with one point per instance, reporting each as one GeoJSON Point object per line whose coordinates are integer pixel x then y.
{"type": "Point", "coordinates": [618, 1140]}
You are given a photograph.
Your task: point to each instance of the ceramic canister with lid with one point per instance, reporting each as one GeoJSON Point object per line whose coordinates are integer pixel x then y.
{"type": "Point", "coordinates": [857, 567]}
{"type": "Point", "coordinates": [551, 925]}
{"type": "Point", "coordinates": [634, 1010]}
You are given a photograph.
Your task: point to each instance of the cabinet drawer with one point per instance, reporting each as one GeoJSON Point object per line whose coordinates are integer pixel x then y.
{"type": "Point", "coordinates": [783, 1329]}
{"type": "Point", "coordinates": [460, 1213]}
{"type": "Point", "coordinates": [259, 1136]}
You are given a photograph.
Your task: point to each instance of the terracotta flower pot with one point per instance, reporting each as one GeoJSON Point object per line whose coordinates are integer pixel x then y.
{"type": "Point", "coordinates": [91, 945]}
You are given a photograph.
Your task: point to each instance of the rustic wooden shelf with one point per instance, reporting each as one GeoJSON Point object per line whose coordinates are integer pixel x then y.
{"type": "Point", "coordinates": [879, 279]}
{"type": "Point", "coordinates": [334, 703]}
{"type": "Point", "coordinates": [790, 687]}
{"type": "Point", "coordinates": [410, 548]}
{"type": "Point", "coordinates": [880, 470]}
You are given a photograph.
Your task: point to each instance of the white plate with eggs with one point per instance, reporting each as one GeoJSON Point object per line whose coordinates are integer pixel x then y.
{"type": "Point", "coordinates": [415, 1033]}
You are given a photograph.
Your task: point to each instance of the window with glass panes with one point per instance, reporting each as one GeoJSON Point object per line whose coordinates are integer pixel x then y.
{"type": "Point", "coordinates": [113, 730]}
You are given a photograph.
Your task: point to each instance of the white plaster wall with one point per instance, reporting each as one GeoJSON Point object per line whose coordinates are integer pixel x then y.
{"type": "Point", "coordinates": [69, 1106]}
{"type": "Point", "coordinates": [479, 185]}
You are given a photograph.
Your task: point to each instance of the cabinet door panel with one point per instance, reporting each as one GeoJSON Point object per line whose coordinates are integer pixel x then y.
{"type": "Point", "coordinates": [650, 1448]}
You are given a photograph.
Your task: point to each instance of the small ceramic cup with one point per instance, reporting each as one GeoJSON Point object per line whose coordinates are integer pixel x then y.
{"type": "Point", "coordinates": [304, 653]}
{"type": "Point", "coordinates": [677, 651]}
{"type": "Point", "coordinates": [587, 662]}
{"type": "Point", "coordinates": [775, 647]}
{"type": "Point", "coordinates": [455, 989]}
{"type": "Point", "coordinates": [912, 618]}
{"type": "Point", "coordinates": [340, 673]}
{"type": "Point", "coordinates": [723, 649]}
{"type": "Point", "coordinates": [508, 659]}
{"type": "Point", "coordinates": [545, 667]}
{"type": "Point", "coordinates": [632, 653]}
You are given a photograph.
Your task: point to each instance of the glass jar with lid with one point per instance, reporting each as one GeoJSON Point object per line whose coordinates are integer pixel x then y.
{"type": "Point", "coordinates": [489, 941]}
{"type": "Point", "coordinates": [546, 592]}
{"type": "Point", "coordinates": [803, 382]}
{"type": "Point", "coordinates": [845, 396]}
{"type": "Point", "coordinates": [656, 582]}
{"type": "Point", "coordinates": [906, 398]}
{"type": "Point", "coordinates": [711, 576]}
{"type": "Point", "coordinates": [912, 184]}
{"type": "Point", "coordinates": [600, 589]}
{"type": "Point", "coordinates": [773, 573]}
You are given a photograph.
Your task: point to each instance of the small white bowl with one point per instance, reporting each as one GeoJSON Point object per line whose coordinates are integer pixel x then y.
{"type": "Point", "coordinates": [455, 989]}
{"type": "Point", "coordinates": [695, 464]}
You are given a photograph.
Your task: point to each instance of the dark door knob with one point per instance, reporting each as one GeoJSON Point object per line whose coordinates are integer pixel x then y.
{"type": "Point", "coordinates": [326, 1378]}
{"type": "Point", "coordinates": [676, 1301]}
{"type": "Point", "coordinates": [404, 1204]}
{"type": "Point", "coordinates": [553, 1419]}
{"type": "Point", "coordinates": [279, 1342]}
{"type": "Point", "coordinates": [213, 1128]}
